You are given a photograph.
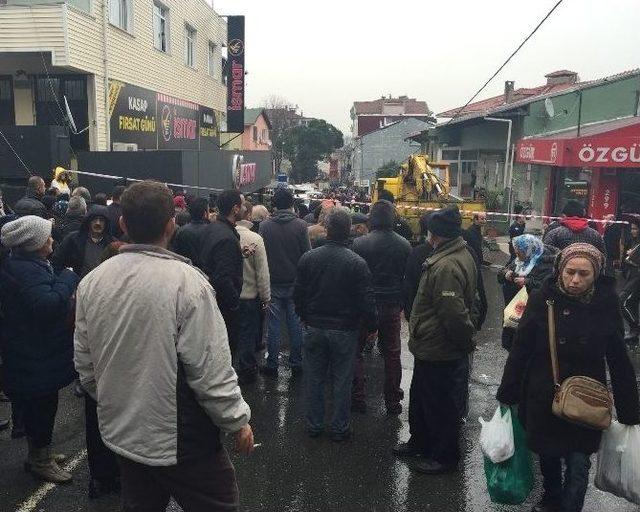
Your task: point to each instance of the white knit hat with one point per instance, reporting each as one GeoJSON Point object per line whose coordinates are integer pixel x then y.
{"type": "Point", "coordinates": [29, 233]}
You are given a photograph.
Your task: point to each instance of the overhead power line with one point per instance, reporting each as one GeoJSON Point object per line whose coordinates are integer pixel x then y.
{"type": "Point", "coordinates": [461, 109]}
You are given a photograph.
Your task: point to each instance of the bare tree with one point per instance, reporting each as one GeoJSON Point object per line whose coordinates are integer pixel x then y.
{"type": "Point", "coordinates": [282, 115]}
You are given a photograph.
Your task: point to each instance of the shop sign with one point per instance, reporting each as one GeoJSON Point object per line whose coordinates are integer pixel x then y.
{"type": "Point", "coordinates": [209, 133]}
{"type": "Point", "coordinates": [235, 74]}
{"type": "Point", "coordinates": [243, 173]}
{"type": "Point", "coordinates": [132, 114]}
{"type": "Point", "coordinates": [604, 195]}
{"type": "Point", "coordinates": [612, 153]}
{"type": "Point", "coordinates": [544, 152]}
{"type": "Point", "coordinates": [178, 126]}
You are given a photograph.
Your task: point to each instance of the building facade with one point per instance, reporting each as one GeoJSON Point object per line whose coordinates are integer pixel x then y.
{"type": "Point", "coordinates": [523, 147]}
{"type": "Point", "coordinates": [369, 116]}
{"type": "Point", "coordinates": [379, 147]}
{"type": "Point", "coordinates": [135, 74]}
{"type": "Point", "coordinates": [256, 135]}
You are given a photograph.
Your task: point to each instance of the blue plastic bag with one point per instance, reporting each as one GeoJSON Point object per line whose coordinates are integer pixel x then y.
{"type": "Point", "coordinates": [510, 482]}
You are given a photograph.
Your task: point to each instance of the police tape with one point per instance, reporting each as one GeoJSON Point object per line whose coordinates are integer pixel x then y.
{"type": "Point", "coordinates": [177, 185]}
{"type": "Point", "coordinates": [527, 216]}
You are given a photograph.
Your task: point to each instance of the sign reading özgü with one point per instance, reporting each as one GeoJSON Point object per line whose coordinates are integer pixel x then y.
{"type": "Point", "coordinates": [613, 153]}
{"type": "Point", "coordinates": [235, 74]}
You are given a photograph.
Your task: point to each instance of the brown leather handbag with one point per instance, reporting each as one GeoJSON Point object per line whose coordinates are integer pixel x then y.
{"type": "Point", "coordinates": [580, 400]}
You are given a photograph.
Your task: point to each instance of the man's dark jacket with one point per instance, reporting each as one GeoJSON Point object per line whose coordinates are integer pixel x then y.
{"type": "Point", "coordinates": [30, 205]}
{"type": "Point", "coordinates": [37, 334]}
{"type": "Point", "coordinates": [286, 239]}
{"type": "Point", "coordinates": [189, 240]}
{"type": "Point", "coordinates": [386, 253]}
{"type": "Point", "coordinates": [573, 230]}
{"type": "Point", "coordinates": [221, 260]}
{"type": "Point", "coordinates": [473, 237]}
{"type": "Point", "coordinates": [71, 252]}
{"type": "Point", "coordinates": [333, 289]}
{"type": "Point", "coordinates": [114, 211]}
{"type": "Point", "coordinates": [70, 223]}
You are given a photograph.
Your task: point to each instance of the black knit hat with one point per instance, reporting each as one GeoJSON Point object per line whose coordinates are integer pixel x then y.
{"type": "Point", "coordinates": [446, 223]}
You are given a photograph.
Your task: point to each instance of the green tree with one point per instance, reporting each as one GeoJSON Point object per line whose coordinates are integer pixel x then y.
{"type": "Point", "coordinates": [388, 170]}
{"type": "Point", "coordinates": [304, 146]}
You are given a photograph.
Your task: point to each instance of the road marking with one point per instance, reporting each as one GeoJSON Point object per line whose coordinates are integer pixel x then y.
{"type": "Point", "coordinates": [30, 504]}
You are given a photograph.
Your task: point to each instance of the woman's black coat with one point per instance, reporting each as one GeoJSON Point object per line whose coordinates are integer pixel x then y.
{"type": "Point", "coordinates": [589, 337]}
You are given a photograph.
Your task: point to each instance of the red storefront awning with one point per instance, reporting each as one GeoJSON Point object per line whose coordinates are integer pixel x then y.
{"type": "Point", "coordinates": [611, 144]}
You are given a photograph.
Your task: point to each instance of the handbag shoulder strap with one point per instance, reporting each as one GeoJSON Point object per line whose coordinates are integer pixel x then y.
{"type": "Point", "coordinates": [553, 350]}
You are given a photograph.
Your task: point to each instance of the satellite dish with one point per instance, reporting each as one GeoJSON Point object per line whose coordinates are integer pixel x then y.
{"type": "Point", "coordinates": [71, 121]}
{"type": "Point", "coordinates": [548, 106]}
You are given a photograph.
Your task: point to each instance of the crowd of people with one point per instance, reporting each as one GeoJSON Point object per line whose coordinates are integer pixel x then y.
{"type": "Point", "coordinates": [204, 287]}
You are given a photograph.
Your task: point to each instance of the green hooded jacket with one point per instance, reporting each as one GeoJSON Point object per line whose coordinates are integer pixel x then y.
{"type": "Point", "coordinates": [441, 326]}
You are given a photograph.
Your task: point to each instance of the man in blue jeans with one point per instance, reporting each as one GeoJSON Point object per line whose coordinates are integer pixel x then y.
{"type": "Point", "coordinates": [285, 240]}
{"type": "Point", "coordinates": [334, 298]}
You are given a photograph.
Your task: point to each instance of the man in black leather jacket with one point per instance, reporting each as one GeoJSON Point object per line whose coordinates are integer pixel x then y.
{"type": "Point", "coordinates": [334, 298]}
{"type": "Point", "coordinates": [386, 254]}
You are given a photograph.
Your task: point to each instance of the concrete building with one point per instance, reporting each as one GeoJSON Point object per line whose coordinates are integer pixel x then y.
{"type": "Point", "coordinates": [391, 143]}
{"type": "Point", "coordinates": [369, 116]}
{"type": "Point", "coordinates": [138, 74]}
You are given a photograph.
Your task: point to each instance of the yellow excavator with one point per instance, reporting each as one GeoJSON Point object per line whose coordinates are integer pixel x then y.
{"type": "Point", "coordinates": [420, 185]}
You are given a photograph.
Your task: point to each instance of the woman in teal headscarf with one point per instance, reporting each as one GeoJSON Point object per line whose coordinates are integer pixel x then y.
{"type": "Point", "coordinates": [533, 263]}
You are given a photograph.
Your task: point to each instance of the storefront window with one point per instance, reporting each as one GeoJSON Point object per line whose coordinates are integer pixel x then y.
{"type": "Point", "coordinates": [629, 199]}
{"type": "Point", "coordinates": [572, 184]}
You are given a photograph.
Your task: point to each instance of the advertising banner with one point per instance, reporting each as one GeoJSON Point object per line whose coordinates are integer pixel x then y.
{"type": "Point", "coordinates": [177, 123]}
{"type": "Point", "coordinates": [235, 74]}
{"type": "Point", "coordinates": [132, 114]}
{"type": "Point", "coordinates": [209, 133]}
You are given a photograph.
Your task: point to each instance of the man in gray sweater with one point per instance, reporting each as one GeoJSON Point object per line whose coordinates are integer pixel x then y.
{"type": "Point", "coordinates": [286, 239]}
{"type": "Point", "coordinates": [151, 347]}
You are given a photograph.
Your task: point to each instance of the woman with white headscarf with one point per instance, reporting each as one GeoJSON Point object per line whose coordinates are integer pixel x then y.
{"type": "Point", "coordinates": [532, 264]}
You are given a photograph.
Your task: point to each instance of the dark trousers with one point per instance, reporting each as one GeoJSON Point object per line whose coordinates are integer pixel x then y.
{"type": "Point", "coordinates": [438, 391]}
{"type": "Point", "coordinates": [329, 352]}
{"type": "Point", "coordinates": [103, 464]}
{"type": "Point", "coordinates": [389, 344]}
{"type": "Point", "coordinates": [207, 484]}
{"type": "Point", "coordinates": [231, 322]}
{"type": "Point", "coordinates": [358, 394]}
{"type": "Point", "coordinates": [249, 319]}
{"type": "Point", "coordinates": [569, 495]}
{"type": "Point", "coordinates": [39, 416]}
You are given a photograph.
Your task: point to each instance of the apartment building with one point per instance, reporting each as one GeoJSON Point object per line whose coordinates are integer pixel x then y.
{"type": "Point", "coordinates": [134, 74]}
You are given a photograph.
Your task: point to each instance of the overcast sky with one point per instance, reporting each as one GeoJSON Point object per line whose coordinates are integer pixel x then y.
{"type": "Point", "coordinates": [325, 55]}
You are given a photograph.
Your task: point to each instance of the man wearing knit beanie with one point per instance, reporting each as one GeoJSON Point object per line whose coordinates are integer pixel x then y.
{"type": "Point", "coordinates": [441, 330]}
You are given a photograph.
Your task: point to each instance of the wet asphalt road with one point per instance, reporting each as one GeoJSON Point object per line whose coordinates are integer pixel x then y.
{"type": "Point", "coordinates": [291, 472]}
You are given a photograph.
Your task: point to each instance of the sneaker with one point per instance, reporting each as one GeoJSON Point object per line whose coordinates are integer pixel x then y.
{"type": "Point", "coordinates": [406, 450]}
{"type": "Point", "coordinates": [432, 467]}
{"type": "Point", "coordinates": [267, 371]}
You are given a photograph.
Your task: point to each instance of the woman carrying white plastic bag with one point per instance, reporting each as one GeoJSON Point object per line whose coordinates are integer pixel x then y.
{"type": "Point", "coordinates": [619, 462]}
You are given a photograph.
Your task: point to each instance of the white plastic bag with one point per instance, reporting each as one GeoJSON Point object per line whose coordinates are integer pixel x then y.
{"type": "Point", "coordinates": [496, 437]}
{"type": "Point", "coordinates": [515, 309]}
{"type": "Point", "coordinates": [618, 469]}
